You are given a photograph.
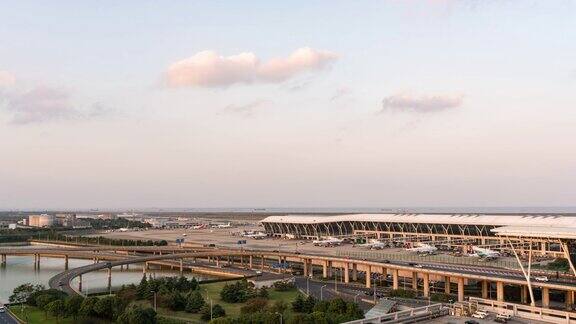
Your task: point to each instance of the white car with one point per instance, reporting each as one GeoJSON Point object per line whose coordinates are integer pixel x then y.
{"type": "Point", "coordinates": [504, 316]}
{"type": "Point", "coordinates": [2, 309]}
{"type": "Point", "coordinates": [541, 278]}
{"type": "Point", "coordinates": [479, 315]}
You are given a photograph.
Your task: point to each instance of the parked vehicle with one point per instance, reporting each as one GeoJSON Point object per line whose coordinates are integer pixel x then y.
{"type": "Point", "coordinates": [541, 278]}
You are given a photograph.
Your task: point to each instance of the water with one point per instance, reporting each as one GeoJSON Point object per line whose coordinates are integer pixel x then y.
{"type": "Point", "coordinates": [20, 270]}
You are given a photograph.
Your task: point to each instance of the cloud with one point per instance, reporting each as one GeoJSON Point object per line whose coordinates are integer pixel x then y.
{"type": "Point", "coordinates": [6, 79]}
{"type": "Point", "coordinates": [422, 103]}
{"type": "Point", "coordinates": [209, 69]}
{"type": "Point", "coordinates": [44, 104]}
{"type": "Point", "coordinates": [246, 110]}
{"type": "Point", "coordinates": [340, 92]}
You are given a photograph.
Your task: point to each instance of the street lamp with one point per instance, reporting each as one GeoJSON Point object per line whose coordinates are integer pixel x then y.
{"type": "Point", "coordinates": [280, 316]}
{"type": "Point", "coordinates": [322, 296]}
{"type": "Point", "coordinates": [308, 286]}
{"type": "Point", "coordinates": [210, 299]}
{"type": "Point", "coordinates": [355, 297]}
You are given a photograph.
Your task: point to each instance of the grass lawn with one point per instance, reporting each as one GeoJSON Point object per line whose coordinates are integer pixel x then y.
{"type": "Point", "coordinates": [35, 315]}
{"type": "Point", "coordinates": [212, 291]}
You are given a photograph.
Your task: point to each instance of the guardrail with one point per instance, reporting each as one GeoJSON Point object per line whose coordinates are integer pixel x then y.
{"type": "Point", "coordinates": [438, 258]}
{"type": "Point", "coordinates": [525, 311]}
{"type": "Point", "coordinates": [407, 316]}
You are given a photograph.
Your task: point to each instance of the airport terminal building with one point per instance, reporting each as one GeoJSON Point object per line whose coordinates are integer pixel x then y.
{"type": "Point", "coordinates": [548, 230]}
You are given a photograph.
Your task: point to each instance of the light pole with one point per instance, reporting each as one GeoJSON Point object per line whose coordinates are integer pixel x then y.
{"type": "Point", "coordinates": [154, 292]}
{"type": "Point", "coordinates": [210, 299]}
{"type": "Point", "coordinates": [280, 316]}
{"type": "Point", "coordinates": [355, 297]}
{"type": "Point", "coordinates": [336, 280]}
{"type": "Point", "coordinates": [308, 286]}
{"type": "Point", "coordinates": [322, 296]}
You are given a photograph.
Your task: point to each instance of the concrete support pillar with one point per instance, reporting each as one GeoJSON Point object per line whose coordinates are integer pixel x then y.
{"type": "Point", "coordinates": [346, 273]}
{"type": "Point", "coordinates": [524, 294]}
{"type": "Point", "coordinates": [181, 266]}
{"type": "Point", "coordinates": [325, 269]}
{"type": "Point", "coordinates": [569, 300]}
{"type": "Point", "coordinates": [145, 267]}
{"type": "Point", "coordinates": [446, 285]}
{"type": "Point", "coordinates": [66, 262]}
{"type": "Point", "coordinates": [394, 278]}
{"type": "Point", "coordinates": [250, 264]}
{"type": "Point", "coordinates": [217, 261]}
{"type": "Point", "coordinates": [354, 272]}
{"type": "Point", "coordinates": [426, 284]}
{"type": "Point", "coordinates": [80, 283]}
{"type": "Point", "coordinates": [485, 289]}
{"type": "Point", "coordinates": [127, 267]}
{"type": "Point", "coordinates": [415, 280]}
{"type": "Point", "coordinates": [3, 259]}
{"type": "Point", "coordinates": [460, 289]}
{"type": "Point", "coordinates": [368, 277]}
{"type": "Point", "coordinates": [305, 267]}
{"type": "Point", "coordinates": [262, 263]}
{"type": "Point", "coordinates": [545, 297]}
{"type": "Point", "coordinates": [110, 280]}
{"type": "Point", "coordinates": [499, 291]}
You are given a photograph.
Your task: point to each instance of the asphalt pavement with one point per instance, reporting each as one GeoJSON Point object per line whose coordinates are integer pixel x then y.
{"type": "Point", "coordinates": [6, 318]}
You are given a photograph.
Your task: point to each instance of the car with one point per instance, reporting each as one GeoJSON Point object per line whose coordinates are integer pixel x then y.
{"type": "Point", "coordinates": [2, 309]}
{"type": "Point", "coordinates": [385, 261]}
{"type": "Point", "coordinates": [482, 312]}
{"type": "Point", "coordinates": [258, 273]}
{"type": "Point", "coordinates": [541, 278]}
{"type": "Point", "coordinates": [504, 316]}
{"type": "Point", "coordinates": [478, 315]}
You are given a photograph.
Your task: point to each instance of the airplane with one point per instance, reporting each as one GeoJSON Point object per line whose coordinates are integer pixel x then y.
{"type": "Point", "coordinates": [374, 245]}
{"type": "Point", "coordinates": [201, 226]}
{"type": "Point", "coordinates": [123, 229]}
{"type": "Point", "coordinates": [228, 225]}
{"type": "Point", "coordinates": [328, 242]}
{"type": "Point", "coordinates": [484, 253]}
{"type": "Point", "coordinates": [256, 236]}
{"type": "Point", "coordinates": [423, 248]}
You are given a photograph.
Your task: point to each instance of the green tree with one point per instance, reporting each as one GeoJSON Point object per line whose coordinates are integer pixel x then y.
{"type": "Point", "coordinates": [137, 315]}
{"type": "Point", "coordinates": [298, 304]}
{"type": "Point", "coordinates": [56, 308]}
{"type": "Point", "coordinates": [215, 312]}
{"type": "Point", "coordinates": [254, 305]}
{"type": "Point", "coordinates": [21, 293]}
{"type": "Point", "coordinates": [73, 305]}
{"type": "Point", "coordinates": [87, 307]}
{"type": "Point", "coordinates": [195, 302]}
{"type": "Point", "coordinates": [143, 289]}
{"type": "Point", "coordinates": [263, 293]}
{"type": "Point", "coordinates": [279, 306]}
{"type": "Point", "coordinates": [42, 302]}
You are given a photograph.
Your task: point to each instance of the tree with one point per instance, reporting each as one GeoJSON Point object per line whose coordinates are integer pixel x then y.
{"type": "Point", "coordinates": [254, 305]}
{"type": "Point", "coordinates": [263, 292]}
{"type": "Point", "coordinates": [137, 315]}
{"type": "Point", "coordinates": [279, 306]}
{"type": "Point", "coordinates": [298, 304]}
{"type": "Point", "coordinates": [143, 289]}
{"type": "Point", "coordinates": [215, 312]}
{"type": "Point", "coordinates": [309, 304]}
{"type": "Point", "coordinates": [72, 306]}
{"type": "Point", "coordinates": [42, 302]}
{"type": "Point", "coordinates": [195, 302]}
{"type": "Point", "coordinates": [56, 308]}
{"type": "Point", "coordinates": [22, 293]}
{"type": "Point", "coordinates": [87, 307]}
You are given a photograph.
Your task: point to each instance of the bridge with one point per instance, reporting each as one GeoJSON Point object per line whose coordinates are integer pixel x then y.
{"type": "Point", "coordinates": [419, 275]}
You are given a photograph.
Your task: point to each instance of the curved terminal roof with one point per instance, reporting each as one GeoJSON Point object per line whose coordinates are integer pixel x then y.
{"type": "Point", "coordinates": [537, 231]}
{"type": "Point", "coordinates": [462, 219]}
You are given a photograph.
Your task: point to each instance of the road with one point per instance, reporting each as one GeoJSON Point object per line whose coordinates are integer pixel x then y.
{"type": "Point", "coordinates": [6, 318]}
{"type": "Point", "coordinates": [328, 292]}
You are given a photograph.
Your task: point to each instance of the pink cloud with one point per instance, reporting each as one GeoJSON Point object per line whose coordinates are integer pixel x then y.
{"type": "Point", "coordinates": [208, 69]}
{"type": "Point", "coordinates": [422, 103]}
{"type": "Point", "coordinates": [40, 104]}
{"type": "Point", "coordinates": [6, 79]}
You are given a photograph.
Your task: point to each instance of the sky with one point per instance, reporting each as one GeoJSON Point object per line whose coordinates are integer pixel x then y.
{"type": "Point", "coordinates": [198, 104]}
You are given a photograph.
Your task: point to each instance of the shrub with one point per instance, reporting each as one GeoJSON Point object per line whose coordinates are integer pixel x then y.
{"type": "Point", "coordinates": [254, 305]}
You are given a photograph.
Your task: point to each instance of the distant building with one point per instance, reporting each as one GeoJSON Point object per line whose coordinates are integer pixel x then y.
{"type": "Point", "coordinates": [107, 216]}
{"type": "Point", "coordinates": [12, 226]}
{"type": "Point", "coordinates": [43, 220]}
{"type": "Point", "coordinates": [65, 220]}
